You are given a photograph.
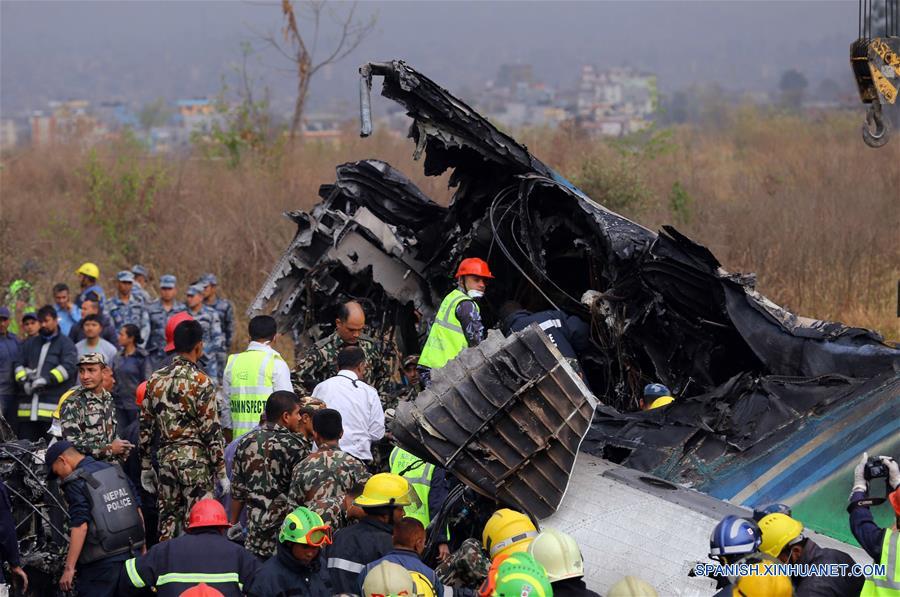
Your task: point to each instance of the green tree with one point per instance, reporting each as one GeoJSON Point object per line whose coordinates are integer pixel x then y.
{"type": "Point", "coordinates": [792, 86]}
{"type": "Point", "coordinates": [153, 114]}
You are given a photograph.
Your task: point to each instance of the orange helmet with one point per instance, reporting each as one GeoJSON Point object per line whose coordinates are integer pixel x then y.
{"type": "Point", "coordinates": [208, 513]}
{"type": "Point", "coordinates": [170, 328]}
{"type": "Point", "coordinates": [139, 394]}
{"type": "Point", "coordinates": [473, 266]}
{"type": "Point", "coordinates": [894, 498]}
{"type": "Point", "coordinates": [202, 590]}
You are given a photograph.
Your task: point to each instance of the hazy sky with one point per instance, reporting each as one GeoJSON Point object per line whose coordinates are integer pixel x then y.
{"type": "Point", "coordinates": [143, 50]}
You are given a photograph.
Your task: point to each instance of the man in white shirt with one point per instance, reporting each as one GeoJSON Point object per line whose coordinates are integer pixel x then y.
{"type": "Point", "coordinates": [251, 376]}
{"type": "Point", "coordinates": [357, 401]}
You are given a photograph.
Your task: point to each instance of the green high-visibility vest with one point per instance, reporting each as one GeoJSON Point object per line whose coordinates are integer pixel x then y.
{"type": "Point", "coordinates": [418, 473]}
{"type": "Point", "coordinates": [889, 584]}
{"type": "Point", "coordinates": [251, 384]}
{"type": "Point", "coordinates": [446, 338]}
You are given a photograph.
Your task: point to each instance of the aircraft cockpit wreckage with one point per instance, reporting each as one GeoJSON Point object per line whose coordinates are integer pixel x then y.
{"type": "Point", "coordinates": [770, 406]}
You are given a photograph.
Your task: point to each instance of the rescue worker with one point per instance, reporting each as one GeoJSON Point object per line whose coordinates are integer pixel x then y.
{"type": "Point", "coordinates": [202, 554]}
{"type": "Point", "coordinates": [323, 478]}
{"type": "Point", "coordinates": [388, 579]}
{"type": "Point", "coordinates": [139, 290]}
{"type": "Point", "coordinates": [561, 558]}
{"type": "Point", "coordinates": [733, 540]}
{"type": "Point", "coordinates": [569, 333]}
{"type": "Point", "coordinates": [226, 314]}
{"type": "Point", "coordinates": [251, 376]}
{"type": "Point", "coordinates": [180, 405]}
{"type": "Point", "coordinates": [212, 329]}
{"type": "Point", "coordinates": [104, 520]}
{"type": "Point", "coordinates": [656, 395]}
{"type": "Point", "coordinates": [88, 416]}
{"type": "Point", "coordinates": [361, 410]}
{"type": "Point", "coordinates": [159, 312]}
{"type": "Point", "coordinates": [31, 327]}
{"type": "Point", "coordinates": [408, 541]}
{"type": "Point", "coordinates": [516, 575]}
{"type": "Point", "coordinates": [759, 585]}
{"type": "Point", "coordinates": [262, 471]}
{"type": "Point", "coordinates": [319, 361]}
{"type": "Point", "coordinates": [783, 538]}
{"type": "Point", "coordinates": [88, 274]}
{"type": "Point", "coordinates": [9, 543]}
{"type": "Point", "coordinates": [20, 302]}
{"type": "Point", "coordinates": [297, 567]}
{"type": "Point", "coordinates": [883, 544]}
{"type": "Point", "coordinates": [506, 532]}
{"type": "Point", "coordinates": [457, 323]}
{"type": "Point", "coordinates": [69, 314]}
{"type": "Point", "coordinates": [45, 369]}
{"type": "Point", "coordinates": [430, 484]}
{"type": "Point", "coordinates": [9, 354]}
{"type": "Point", "coordinates": [124, 308]}
{"type": "Point", "coordinates": [383, 499]}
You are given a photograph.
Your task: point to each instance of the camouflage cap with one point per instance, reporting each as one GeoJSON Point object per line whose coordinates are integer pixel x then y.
{"type": "Point", "coordinates": [92, 358]}
{"type": "Point", "coordinates": [210, 279]}
{"type": "Point", "coordinates": [311, 403]}
{"type": "Point", "coordinates": [412, 359]}
{"type": "Point", "coordinates": [167, 281]}
{"type": "Point", "coordinates": [125, 276]}
{"type": "Point", "coordinates": [139, 270]}
{"type": "Point", "coordinates": [195, 289]}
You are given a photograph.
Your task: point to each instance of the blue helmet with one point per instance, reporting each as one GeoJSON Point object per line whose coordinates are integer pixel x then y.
{"type": "Point", "coordinates": [733, 538]}
{"type": "Point", "coordinates": [656, 390]}
{"type": "Point", "coordinates": [758, 513]}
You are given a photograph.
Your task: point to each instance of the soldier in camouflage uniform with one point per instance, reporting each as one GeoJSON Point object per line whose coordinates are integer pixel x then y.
{"type": "Point", "coordinates": [263, 466]}
{"type": "Point", "coordinates": [125, 309]}
{"type": "Point", "coordinates": [88, 415]}
{"type": "Point", "coordinates": [213, 339]}
{"type": "Point", "coordinates": [226, 314]}
{"type": "Point", "coordinates": [319, 361]}
{"type": "Point", "coordinates": [140, 281]}
{"type": "Point", "coordinates": [466, 567]}
{"type": "Point", "coordinates": [323, 478]}
{"type": "Point", "coordinates": [180, 406]}
{"type": "Point", "coordinates": [159, 312]}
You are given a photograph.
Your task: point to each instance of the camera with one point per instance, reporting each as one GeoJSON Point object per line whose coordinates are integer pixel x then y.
{"type": "Point", "coordinates": [875, 469]}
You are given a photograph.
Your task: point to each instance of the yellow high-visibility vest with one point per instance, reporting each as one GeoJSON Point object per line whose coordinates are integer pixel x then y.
{"type": "Point", "coordinates": [251, 374]}
{"type": "Point", "coordinates": [889, 584]}
{"type": "Point", "coordinates": [446, 338]}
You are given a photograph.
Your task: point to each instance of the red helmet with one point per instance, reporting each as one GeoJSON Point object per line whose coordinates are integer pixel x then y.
{"type": "Point", "coordinates": [208, 513]}
{"type": "Point", "coordinates": [171, 325]}
{"type": "Point", "coordinates": [202, 590]}
{"type": "Point", "coordinates": [139, 394]}
{"type": "Point", "coordinates": [473, 266]}
{"type": "Point", "coordinates": [894, 498]}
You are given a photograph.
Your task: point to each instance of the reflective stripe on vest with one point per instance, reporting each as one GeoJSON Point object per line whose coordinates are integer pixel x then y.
{"type": "Point", "coordinates": [198, 577]}
{"type": "Point", "coordinates": [251, 375]}
{"type": "Point", "coordinates": [889, 584]}
{"type": "Point", "coordinates": [346, 565]}
{"type": "Point", "coordinates": [446, 338]}
{"type": "Point", "coordinates": [419, 476]}
{"type": "Point", "coordinates": [133, 576]}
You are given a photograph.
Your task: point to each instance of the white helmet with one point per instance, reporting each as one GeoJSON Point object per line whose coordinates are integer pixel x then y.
{"type": "Point", "coordinates": [558, 553]}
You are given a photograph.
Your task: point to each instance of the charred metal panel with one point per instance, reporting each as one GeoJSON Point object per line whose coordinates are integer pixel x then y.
{"type": "Point", "coordinates": [506, 417]}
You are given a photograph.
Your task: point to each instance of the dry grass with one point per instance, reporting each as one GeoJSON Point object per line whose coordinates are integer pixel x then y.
{"type": "Point", "coordinates": [804, 204]}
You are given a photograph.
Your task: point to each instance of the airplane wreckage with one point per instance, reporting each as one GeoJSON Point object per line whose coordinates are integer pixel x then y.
{"type": "Point", "coordinates": [771, 406]}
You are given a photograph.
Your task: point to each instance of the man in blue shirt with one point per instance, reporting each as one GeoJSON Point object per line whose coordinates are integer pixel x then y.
{"type": "Point", "coordinates": [69, 313]}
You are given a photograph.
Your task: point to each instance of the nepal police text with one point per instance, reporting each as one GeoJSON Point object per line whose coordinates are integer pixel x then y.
{"type": "Point", "coordinates": [116, 500]}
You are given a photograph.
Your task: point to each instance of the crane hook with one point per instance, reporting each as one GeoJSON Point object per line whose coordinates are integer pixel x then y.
{"type": "Point", "coordinates": [875, 130]}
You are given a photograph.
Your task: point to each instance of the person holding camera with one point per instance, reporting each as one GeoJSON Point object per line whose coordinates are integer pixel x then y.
{"type": "Point", "coordinates": [882, 544]}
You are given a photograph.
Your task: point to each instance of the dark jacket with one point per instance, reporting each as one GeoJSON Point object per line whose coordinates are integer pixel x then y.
{"type": "Point", "coordinates": [410, 560]}
{"type": "Point", "coordinates": [130, 371]}
{"type": "Point", "coordinates": [826, 586]}
{"type": "Point", "coordinates": [572, 587]}
{"type": "Point", "coordinates": [569, 333]}
{"type": "Point", "coordinates": [353, 548]}
{"type": "Point", "coordinates": [282, 576]}
{"type": "Point", "coordinates": [205, 552]}
{"type": "Point", "coordinates": [59, 368]}
{"type": "Point", "coordinates": [9, 543]}
{"type": "Point", "coordinates": [109, 333]}
{"type": "Point", "coordinates": [9, 354]}
{"type": "Point", "coordinates": [869, 535]}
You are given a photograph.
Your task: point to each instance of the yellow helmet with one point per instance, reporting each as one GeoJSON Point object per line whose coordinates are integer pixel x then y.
{"type": "Point", "coordinates": [388, 579]}
{"type": "Point", "coordinates": [763, 586]}
{"type": "Point", "coordinates": [558, 553]}
{"type": "Point", "coordinates": [779, 531]}
{"type": "Point", "coordinates": [506, 532]}
{"type": "Point", "coordinates": [661, 401]}
{"type": "Point", "coordinates": [632, 586]}
{"type": "Point", "coordinates": [385, 489]}
{"type": "Point", "coordinates": [88, 269]}
{"type": "Point", "coordinates": [424, 588]}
